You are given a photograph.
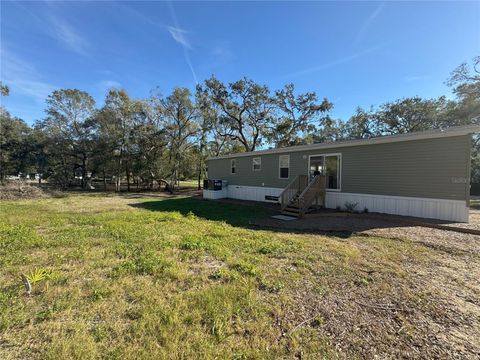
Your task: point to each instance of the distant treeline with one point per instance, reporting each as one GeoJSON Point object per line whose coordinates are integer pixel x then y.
{"type": "Point", "coordinates": [157, 141]}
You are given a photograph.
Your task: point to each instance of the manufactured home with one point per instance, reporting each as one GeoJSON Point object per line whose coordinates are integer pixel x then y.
{"type": "Point", "coordinates": [422, 174]}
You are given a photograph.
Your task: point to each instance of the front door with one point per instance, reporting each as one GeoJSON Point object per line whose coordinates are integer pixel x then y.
{"type": "Point", "coordinates": [316, 166]}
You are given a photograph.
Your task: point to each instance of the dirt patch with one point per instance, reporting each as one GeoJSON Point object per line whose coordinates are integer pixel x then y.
{"type": "Point", "coordinates": [19, 190]}
{"type": "Point", "coordinates": [431, 312]}
{"type": "Point", "coordinates": [206, 264]}
{"type": "Point", "coordinates": [449, 242]}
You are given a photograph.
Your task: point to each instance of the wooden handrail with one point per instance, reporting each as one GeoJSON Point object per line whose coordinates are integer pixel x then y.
{"type": "Point", "coordinates": [288, 186]}
{"type": "Point", "coordinates": [298, 185]}
{"type": "Point", "coordinates": [316, 187]}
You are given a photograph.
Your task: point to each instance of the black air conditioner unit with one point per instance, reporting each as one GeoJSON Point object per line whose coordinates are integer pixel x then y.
{"type": "Point", "coordinates": [212, 184]}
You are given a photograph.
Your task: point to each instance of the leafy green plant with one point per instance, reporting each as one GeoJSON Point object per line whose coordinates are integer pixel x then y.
{"type": "Point", "coordinates": [191, 243]}
{"type": "Point", "coordinates": [36, 276]}
{"type": "Point", "coordinates": [245, 268]}
{"type": "Point", "coordinates": [223, 274]}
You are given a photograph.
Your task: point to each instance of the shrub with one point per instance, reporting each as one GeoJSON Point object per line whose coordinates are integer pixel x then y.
{"type": "Point", "coordinates": [350, 206]}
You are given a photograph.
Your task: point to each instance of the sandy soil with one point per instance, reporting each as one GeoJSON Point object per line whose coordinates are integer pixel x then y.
{"type": "Point", "coordinates": [446, 327]}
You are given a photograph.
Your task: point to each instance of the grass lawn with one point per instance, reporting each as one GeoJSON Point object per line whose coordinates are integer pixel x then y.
{"type": "Point", "coordinates": [154, 278]}
{"type": "Point", "coordinates": [475, 204]}
{"type": "Point", "coordinates": [190, 184]}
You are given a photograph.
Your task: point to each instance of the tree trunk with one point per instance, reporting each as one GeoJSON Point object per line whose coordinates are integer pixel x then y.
{"type": "Point", "coordinates": [199, 174]}
{"type": "Point", "coordinates": [84, 171]}
{"type": "Point", "coordinates": [104, 180]}
{"type": "Point", "coordinates": [128, 179]}
{"type": "Point", "coordinates": [119, 169]}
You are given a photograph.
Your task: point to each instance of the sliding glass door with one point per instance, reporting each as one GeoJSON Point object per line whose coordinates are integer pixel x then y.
{"type": "Point", "coordinates": [328, 165]}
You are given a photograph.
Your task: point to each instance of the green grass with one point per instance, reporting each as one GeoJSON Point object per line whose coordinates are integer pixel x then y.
{"type": "Point", "coordinates": [475, 204]}
{"type": "Point", "coordinates": [174, 278]}
{"type": "Point", "coordinates": [190, 183]}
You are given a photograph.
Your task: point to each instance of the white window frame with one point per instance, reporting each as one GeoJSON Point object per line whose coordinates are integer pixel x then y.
{"type": "Point", "coordinates": [259, 163]}
{"type": "Point", "coordinates": [279, 162]}
{"type": "Point", "coordinates": [339, 168]}
{"type": "Point", "coordinates": [233, 164]}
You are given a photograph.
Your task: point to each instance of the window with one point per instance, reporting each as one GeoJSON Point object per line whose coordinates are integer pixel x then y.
{"type": "Point", "coordinates": [284, 166]}
{"type": "Point", "coordinates": [257, 164]}
{"type": "Point", "coordinates": [328, 165]}
{"type": "Point", "coordinates": [233, 166]}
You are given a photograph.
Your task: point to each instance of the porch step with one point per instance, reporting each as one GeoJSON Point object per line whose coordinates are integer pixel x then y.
{"type": "Point", "coordinates": [290, 213]}
{"type": "Point", "coordinates": [298, 197]}
{"type": "Point", "coordinates": [292, 208]}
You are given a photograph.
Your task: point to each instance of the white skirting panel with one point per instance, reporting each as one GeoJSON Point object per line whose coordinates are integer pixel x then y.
{"type": "Point", "coordinates": [252, 193]}
{"type": "Point", "coordinates": [451, 210]}
{"type": "Point", "coordinates": [218, 194]}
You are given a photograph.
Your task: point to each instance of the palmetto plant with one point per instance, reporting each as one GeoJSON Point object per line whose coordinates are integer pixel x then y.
{"type": "Point", "coordinates": [34, 277]}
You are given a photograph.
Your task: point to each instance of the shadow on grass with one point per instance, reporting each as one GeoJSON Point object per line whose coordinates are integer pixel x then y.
{"type": "Point", "coordinates": [236, 215]}
{"type": "Point", "coordinates": [247, 216]}
{"type": "Point", "coordinates": [257, 217]}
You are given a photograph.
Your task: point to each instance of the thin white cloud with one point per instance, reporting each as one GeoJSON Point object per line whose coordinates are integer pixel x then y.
{"type": "Point", "coordinates": [333, 63]}
{"type": "Point", "coordinates": [368, 22]}
{"type": "Point", "coordinates": [67, 35]}
{"type": "Point", "coordinates": [108, 84]}
{"type": "Point", "coordinates": [179, 35]}
{"type": "Point", "coordinates": [56, 28]}
{"type": "Point", "coordinates": [23, 78]}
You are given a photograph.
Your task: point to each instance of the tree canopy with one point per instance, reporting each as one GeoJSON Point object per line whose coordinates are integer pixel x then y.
{"type": "Point", "coordinates": [159, 140]}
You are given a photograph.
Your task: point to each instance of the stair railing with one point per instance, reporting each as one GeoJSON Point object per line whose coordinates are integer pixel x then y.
{"type": "Point", "coordinates": [315, 189]}
{"type": "Point", "coordinates": [295, 187]}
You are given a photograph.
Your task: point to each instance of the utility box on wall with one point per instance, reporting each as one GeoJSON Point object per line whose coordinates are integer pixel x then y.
{"type": "Point", "coordinates": [214, 184]}
{"type": "Point", "coordinates": [214, 189]}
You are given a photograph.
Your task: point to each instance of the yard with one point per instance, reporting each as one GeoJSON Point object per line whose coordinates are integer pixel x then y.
{"type": "Point", "coordinates": [154, 277]}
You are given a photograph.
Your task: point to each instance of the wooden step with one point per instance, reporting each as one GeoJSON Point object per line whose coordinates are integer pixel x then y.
{"type": "Point", "coordinates": [290, 213]}
{"type": "Point", "coordinates": [292, 208]}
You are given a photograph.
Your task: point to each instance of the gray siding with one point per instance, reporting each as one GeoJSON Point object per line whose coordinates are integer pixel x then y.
{"type": "Point", "coordinates": [427, 168]}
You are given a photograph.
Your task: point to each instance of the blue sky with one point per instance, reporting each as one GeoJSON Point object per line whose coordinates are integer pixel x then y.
{"type": "Point", "coordinates": [353, 53]}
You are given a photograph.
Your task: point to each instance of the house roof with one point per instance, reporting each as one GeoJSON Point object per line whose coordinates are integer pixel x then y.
{"type": "Point", "coordinates": [430, 134]}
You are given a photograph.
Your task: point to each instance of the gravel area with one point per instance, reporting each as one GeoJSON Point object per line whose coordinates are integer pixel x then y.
{"type": "Point", "coordinates": [448, 328]}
